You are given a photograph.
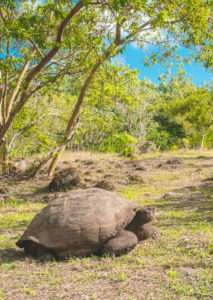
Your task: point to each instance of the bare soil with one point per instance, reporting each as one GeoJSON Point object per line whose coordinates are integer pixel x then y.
{"type": "Point", "coordinates": [177, 265]}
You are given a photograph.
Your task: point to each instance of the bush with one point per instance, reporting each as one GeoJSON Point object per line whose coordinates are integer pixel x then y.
{"type": "Point", "coordinates": [119, 142]}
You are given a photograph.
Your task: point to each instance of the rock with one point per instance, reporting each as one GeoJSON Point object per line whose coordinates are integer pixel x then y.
{"type": "Point", "coordinates": [136, 177]}
{"type": "Point", "coordinates": [67, 179]}
{"type": "Point", "coordinates": [139, 166]}
{"type": "Point", "coordinates": [170, 162]}
{"type": "Point", "coordinates": [100, 171]}
{"type": "Point", "coordinates": [4, 189]}
{"type": "Point", "coordinates": [207, 179]}
{"type": "Point", "coordinates": [89, 162]}
{"type": "Point", "coordinates": [18, 166]}
{"type": "Point", "coordinates": [87, 173]}
{"type": "Point", "coordinates": [105, 185]}
{"type": "Point", "coordinates": [171, 195]}
{"type": "Point", "coordinates": [160, 166]}
{"type": "Point", "coordinates": [174, 161]}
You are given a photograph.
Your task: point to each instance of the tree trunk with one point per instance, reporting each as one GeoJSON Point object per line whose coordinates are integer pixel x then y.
{"type": "Point", "coordinates": [55, 161]}
{"type": "Point", "coordinates": [73, 118]}
{"type": "Point", "coordinates": [202, 141]}
{"type": "Point", "coordinates": [5, 165]}
{"type": "Point", "coordinates": [1, 160]}
{"type": "Point", "coordinates": [117, 42]}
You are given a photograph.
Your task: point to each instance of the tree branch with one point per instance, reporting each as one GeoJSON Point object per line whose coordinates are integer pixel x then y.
{"type": "Point", "coordinates": [28, 126]}
{"type": "Point", "coordinates": [38, 68]}
{"type": "Point", "coordinates": [2, 15]}
{"type": "Point", "coordinates": [15, 91]}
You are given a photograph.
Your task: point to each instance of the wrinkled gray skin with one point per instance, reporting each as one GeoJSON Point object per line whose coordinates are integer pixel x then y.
{"type": "Point", "coordinates": [139, 225]}
{"type": "Point", "coordinates": [137, 230]}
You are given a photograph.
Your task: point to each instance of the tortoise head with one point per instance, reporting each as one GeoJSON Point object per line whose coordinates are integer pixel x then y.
{"type": "Point", "coordinates": [145, 214]}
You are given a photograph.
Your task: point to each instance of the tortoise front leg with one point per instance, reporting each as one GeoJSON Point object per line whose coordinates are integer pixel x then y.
{"type": "Point", "coordinates": [123, 243]}
{"type": "Point", "coordinates": [146, 231]}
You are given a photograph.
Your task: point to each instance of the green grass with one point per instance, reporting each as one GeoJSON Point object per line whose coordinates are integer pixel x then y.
{"type": "Point", "coordinates": [177, 265]}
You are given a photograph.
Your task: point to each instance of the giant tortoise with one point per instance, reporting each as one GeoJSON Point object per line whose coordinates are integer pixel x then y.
{"type": "Point", "coordinates": [85, 222]}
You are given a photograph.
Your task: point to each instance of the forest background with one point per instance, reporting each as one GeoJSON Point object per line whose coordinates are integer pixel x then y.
{"type": "Point", "coordinates": [60, 86]}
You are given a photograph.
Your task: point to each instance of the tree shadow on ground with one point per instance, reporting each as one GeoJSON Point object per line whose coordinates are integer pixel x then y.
{"type": "Point", "coordinates": [204, 157]}
{"type": "Point", "coordinates": [195, 201]}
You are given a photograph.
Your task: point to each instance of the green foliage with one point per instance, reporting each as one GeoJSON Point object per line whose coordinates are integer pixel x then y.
{"type": "Point", "coordinates": [165, 133]}
{"type": "Point", "coordinates": [209, 139]}
{"type": "Point", "coordinates": [119, 142]}
{"type": "Point", "coordinates": [39, 126]}
{"type": "Point", "coordinates": [119, 114]}
{"type": "Point", "coordinates": [117, 103]}
{"type": "Point", "coordinates": [193, 108]}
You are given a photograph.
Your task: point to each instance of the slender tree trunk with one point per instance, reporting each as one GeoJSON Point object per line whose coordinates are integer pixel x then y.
{"type": "Point", "coordinates": [1, 118]}
{"type": "Point", "coordinates": [1, 160]}
{"type": "Point", "coordinates": [55, 161]}
{"type": "Point", "coordinates": [73, 118]}
{"type": "Point", "coordinates": [117, 42]}
{"type": "Point", "coordinates": [202, 141]}
{"type": "Point", "coordinates": [5, 156]}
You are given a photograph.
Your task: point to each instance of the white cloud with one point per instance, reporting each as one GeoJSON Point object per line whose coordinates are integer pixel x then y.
{"type": "Point", "coordinates": [134, 45]}
{"type": "Point", "coordinates": [119, 59]}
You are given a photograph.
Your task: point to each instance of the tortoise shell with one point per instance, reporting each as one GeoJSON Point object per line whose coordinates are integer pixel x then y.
{"type": "Point", "coordinates": [79, 222]}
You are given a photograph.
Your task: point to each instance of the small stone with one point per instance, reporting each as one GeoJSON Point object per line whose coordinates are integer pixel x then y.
{"type": "Point", "coordinates": [87, 173]}
{"type": "Point", "coordinates": [136, 177]}
{"type": "Point", "coordinates": [170, 195]}
{"type": "Point", "coordinates": [4, 189]}
{"type": "Point", "coordinates": [100, 171]}
{"type": "Point", "coordinates": [160, 166]}
{"type": "Point", "coordinates": [105, 185]}
{"type": "Point", "coordinates": [207, 179]}
{"type": "Point", "coordinates": [174, 161]}
{"type": "Point", "coordinates": [89, 162]}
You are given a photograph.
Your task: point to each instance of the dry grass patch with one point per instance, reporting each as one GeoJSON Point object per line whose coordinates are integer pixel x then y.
{"type": "Point", "coordinates": [178, 265]}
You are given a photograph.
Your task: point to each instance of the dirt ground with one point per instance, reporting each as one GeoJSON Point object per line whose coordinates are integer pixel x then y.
{"type": "Point", "coordinates": [177, 265]}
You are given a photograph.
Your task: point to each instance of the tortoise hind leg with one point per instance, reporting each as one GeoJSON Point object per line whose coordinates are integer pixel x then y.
{"type": "Point", "coordinates": [123, 243]}
{"type": "Point", "coordinates": [45, 254]}
{"type": "Point", "coordinates": [39, 251]}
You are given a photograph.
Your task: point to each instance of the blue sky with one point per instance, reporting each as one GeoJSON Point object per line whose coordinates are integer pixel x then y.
{"type": "Point", "coordinates": [133, 56]}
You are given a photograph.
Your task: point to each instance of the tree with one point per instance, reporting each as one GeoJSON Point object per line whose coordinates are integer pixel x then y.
{"type": "Point", "coordinates": [137, 19]}
{"type": "Point", "coordinates": [189, 106]}
{"type": "Point", "coordinates": [197, 109]}
{"type": "Point", "coordinates": [40, 44]}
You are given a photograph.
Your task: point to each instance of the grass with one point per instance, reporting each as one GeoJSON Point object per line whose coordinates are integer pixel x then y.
{"type": "Point", "coordinates": [177, 265]}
